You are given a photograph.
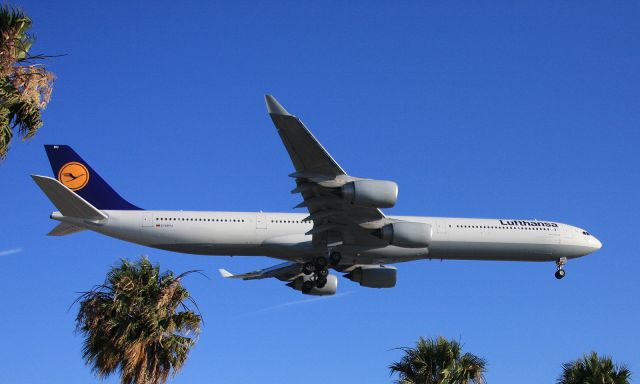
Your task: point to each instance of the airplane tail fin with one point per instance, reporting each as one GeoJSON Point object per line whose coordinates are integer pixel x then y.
{"type": "Point", "coordinates": [78, 176]}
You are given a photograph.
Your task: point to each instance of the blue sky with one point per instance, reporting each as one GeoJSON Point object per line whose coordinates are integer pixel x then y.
{"type": "Point", "coordinates": [502, 109]}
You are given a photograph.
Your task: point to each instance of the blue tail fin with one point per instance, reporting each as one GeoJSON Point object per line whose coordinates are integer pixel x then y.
{"type": "Point", "coordinates": [77, 175]}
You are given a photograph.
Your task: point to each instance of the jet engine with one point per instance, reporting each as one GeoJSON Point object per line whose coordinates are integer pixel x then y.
{"type": "Point", "coordinates": [329, 288]}
{"type": "Point", "coordinates": [371, 193]}
{"type": "Point", "coordinates": [373, 276]}
{"type": "Point", "coordinates": [407, 234]}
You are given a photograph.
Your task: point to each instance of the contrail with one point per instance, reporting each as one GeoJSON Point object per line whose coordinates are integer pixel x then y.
{"type": "Point", "coordinates": [10, 251]}
{"type": "Point", "coordinates": [297, 302]}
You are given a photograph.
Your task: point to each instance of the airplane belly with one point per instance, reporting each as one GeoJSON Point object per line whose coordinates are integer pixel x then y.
{"type": "Point", "coordinates": [290, 246]}
{"type": "Point", "coordinates": [210, 239]}
{"type": "Point", "coordinates": [499, 251]}
{"type": "Point", "coordinates": [382, 255]}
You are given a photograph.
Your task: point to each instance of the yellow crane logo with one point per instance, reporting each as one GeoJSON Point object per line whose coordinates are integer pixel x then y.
{"type": "Point", "coordinates": [74, 176]}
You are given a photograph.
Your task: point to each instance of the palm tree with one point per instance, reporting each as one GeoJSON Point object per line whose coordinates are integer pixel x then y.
{"type": "Point", "coordinates": [593, 369]}
{"type": "Point", "coordinates": [438, 361]}
{"type": "Point", "coordinates": [138, 323]}
{"type": "Point", "coordinates": [25, 86]}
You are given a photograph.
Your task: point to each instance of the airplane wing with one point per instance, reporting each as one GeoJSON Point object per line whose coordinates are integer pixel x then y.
{"type": "Point", "coordinates": [283, 272]}
{"type": "Point", "coordinates": [318, 179]}
{"type": "Point", "coordinates": [291, 273]}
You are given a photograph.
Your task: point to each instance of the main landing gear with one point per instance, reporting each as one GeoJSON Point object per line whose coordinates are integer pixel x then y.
{"type": "Point", "coordinates": [560, 264]}
{"type": "Point", "coordinates": [319, 270]}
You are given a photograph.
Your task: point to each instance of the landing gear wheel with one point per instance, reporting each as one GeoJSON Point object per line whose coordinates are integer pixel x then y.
{"type": "Point", "coordinates": [335, 258]}
{"type": "Point", "coordinates": [307, 286]}
{"type": "Point", "coordinates": [321, 282]}
{"type": "Point", "coordinates": [323, 273]}
{"type": "Point", "coordinates": [560, 264]}
{"type": "Point", "coordinates": [321, 263]}
{"type": "Point", "coordinates": [308, 268]}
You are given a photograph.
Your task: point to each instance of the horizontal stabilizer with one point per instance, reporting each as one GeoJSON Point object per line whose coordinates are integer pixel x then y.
{"type": "Point", "coordinates": [225, 273]}
{"type": "Point", "coordinates": [67, 202]}
{"type": "Point", "coordinates": [64, 229]}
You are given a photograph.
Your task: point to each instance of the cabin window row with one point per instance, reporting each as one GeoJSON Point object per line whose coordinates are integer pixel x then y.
{"type": "Point", "coordinates": [289, 221]}
{"type": "Point", "coordinates": [496, 227]}
{"type": "Point", "coordinates": [198, 219]}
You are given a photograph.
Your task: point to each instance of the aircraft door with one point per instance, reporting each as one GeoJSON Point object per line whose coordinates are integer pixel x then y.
{"type": "Point", "coordinates": [260, 232]}
{"type": "Point", "coordinates": [441, 230]}
{"type": "Point", "coordinates": [147, 219]}
{"type": "Point", "coordinates": [261, 222]}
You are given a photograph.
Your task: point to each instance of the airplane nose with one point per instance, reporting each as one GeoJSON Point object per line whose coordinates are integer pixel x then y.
{"type": "Point", "coordinates": [595, 243]}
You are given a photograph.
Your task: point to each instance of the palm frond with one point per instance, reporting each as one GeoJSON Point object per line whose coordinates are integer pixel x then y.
{"type": "Point", "coordinates": [137, 323]}
{"type": "Point", "coordinates": [438, 361]}
{"type": "Point", "coordinates": [25, 84]}
{"type": "Point", "coordinates": [591, 368]}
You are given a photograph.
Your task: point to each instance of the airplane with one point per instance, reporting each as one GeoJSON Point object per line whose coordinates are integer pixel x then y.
{"type": "Point", "coordinates": [343, 230]}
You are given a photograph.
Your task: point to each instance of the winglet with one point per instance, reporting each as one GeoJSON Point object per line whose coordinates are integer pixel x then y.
{"type": "Point", "coordinates": [224, 273]}
{"type": "Point", "coordinates": [274, 107]}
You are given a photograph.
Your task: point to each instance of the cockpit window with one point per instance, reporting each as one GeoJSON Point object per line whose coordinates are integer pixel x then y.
{"type": "Point", "coordinates": [586, 233]}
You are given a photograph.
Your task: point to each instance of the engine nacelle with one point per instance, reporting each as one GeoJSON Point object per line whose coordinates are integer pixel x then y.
{"type": "Point", "coordinates": [374, 276]}
{"type": "Point", "coordinates": [407, 234]}
{"type": "Point", "coordinates": [329, 289]}
{"type": "Point", "coordinates": [371, 193]}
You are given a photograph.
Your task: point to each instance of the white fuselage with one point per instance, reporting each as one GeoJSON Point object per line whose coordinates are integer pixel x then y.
{"type": "Point", "coordinates": [282, 235]}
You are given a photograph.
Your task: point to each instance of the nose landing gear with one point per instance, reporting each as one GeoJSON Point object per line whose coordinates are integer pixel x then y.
{"type": "Point", "coordinates": [560, 264]}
